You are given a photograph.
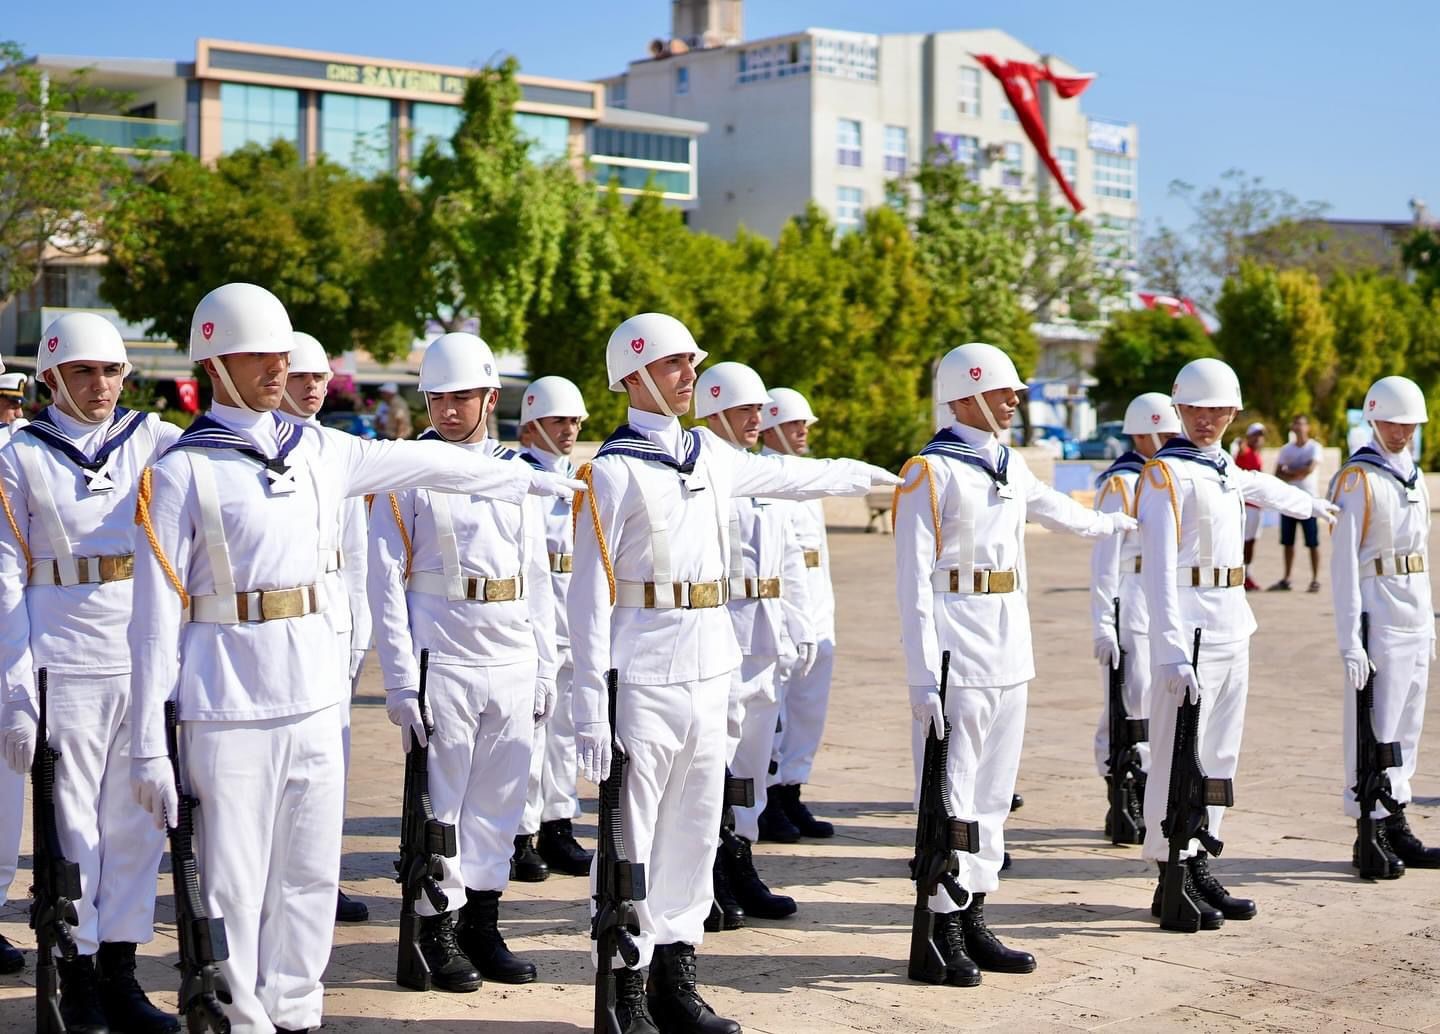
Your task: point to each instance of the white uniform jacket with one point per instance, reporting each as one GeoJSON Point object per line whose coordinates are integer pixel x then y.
{"type": "Point", "coordinates": [271, 527]}
{"type": "Point", "coordinates": [1382, 528]}
{"type": "Point", "coordinates": [426, 547]}
{"type": "Point", "coordinates": [762, 547]}
{"type": "Point", "coordinates": [962, 508]}
{"type": "Point", "coordinates": [70, 491]}
{"type": "Point", "coordinates": [1191, 508]}
{"type": "Point", "coordinates": [1115, 558]}
{"type": "Point", "coordinates": [559, 543]}
{"type": "Point", "coordinates": [7, 430]}
{"type": "Point", "coordinates": [652, 517]}
{"type": "Point", "coordinates": [807, 520]}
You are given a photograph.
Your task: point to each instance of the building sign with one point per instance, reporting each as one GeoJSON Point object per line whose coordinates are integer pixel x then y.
{"type": "Point", "coordinates": [1109, 137]}
{"type": "Point", "coordinates": [391, 77]}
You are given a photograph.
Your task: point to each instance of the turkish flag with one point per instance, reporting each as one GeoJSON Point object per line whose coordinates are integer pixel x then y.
{"type": "Point", "coordinates": [1021, 81]}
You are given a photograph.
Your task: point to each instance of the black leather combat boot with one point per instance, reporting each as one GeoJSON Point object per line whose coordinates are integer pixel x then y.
{"type": "Point", "coordinates": [1214, 892]}
{"type": "Point", "coordinates": [450, 968]}
{"type": "Point", "coordinates": [479, 935]}
{"type": "Point", "coordinates": [985, 948]}
{"type": "Point", "coordinates": [675, 1001]}
{"type": "Point", "coordinates": [560, 850]}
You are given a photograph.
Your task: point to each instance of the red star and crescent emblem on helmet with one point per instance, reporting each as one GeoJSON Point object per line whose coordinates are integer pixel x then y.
{"type": "Point", "coordinates": [1154, 418]}
{"type": "Point", "coordinates": [529, 400]}
{"type": "Point", "coordinates": [1372, 403]}
{"type": "Point", "coordinates": [975, 373]}
{"type": "Point", "coordinates": [637, 345]}
{"type": "Point", "coordinates": [53, 343]}
{"type": "Point", "coordinates": [714, 391]}
{"type": "Point", "coordinates": [774, 410]}
{"type": "Point", "coordinates": [207, 330]}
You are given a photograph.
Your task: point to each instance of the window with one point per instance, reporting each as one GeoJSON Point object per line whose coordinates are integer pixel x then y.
{"type": "Point", "coordinates": [616, 93]}
{"type": "Point", "coordinates": [897, 149]}
{"type": "Point", "coordinates": [970, 91]}
{"type": "Point", "coordinates": [650, 147]}
{"type": "Point", "coordinates": [436, 122]}
{"type": "Point", "coordinates": [639, 178]}
{"type": "Point", "coordinates": [856, 57]}
{"type": "Point", "coordinates": [549, 136]}
{"type": "Point", "coordinates": [963, 149]}
{"type": "Point", "coordinates": [1007, 113]}
{"type": "Point", "coordinates": [773, 61]}
{"type": "Point", "coordinates": [355, 132]}
{"type": "Point", "coordinates": [1012, 166]}
{"type": "Point", "coordinates": [849, 207]}
{"type": "Point", "coordinates": [682, 80]}
{"type": "Point", "coordinates": [1114, 175]}
{"type": "Point", "coordinates": [847, 142]}
{"type": "Point", "coordinates": [1116, 243]}
{"type": "Point", "coordinates": [257, 115]}
{"type": "Point", "coordinates": [1067, 158]}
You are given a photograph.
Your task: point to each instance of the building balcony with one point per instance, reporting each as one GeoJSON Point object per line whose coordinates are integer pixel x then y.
{"type": "Point", "coordinates": [128, 133]}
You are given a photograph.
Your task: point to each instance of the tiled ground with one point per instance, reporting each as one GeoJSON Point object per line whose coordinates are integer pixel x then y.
{"type": "Point", "coordinates": [1327, 953]}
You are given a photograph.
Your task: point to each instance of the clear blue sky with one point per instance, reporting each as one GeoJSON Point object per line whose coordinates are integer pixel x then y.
{"type": "Point", "coordinates": [1334, 101]}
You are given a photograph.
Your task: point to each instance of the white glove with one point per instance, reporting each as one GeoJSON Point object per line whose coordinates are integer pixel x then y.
{"type": "Point", "coordinates": [592, 750]}
{"type": "Point", "coordinates": [544, 699]}
{"type": "Point", "coordinates": [152, 784]}
{"type": "Point", "coordinates": [868, 473]}
{"type": "Point", "coordinates": [17, 735]}
{"type": "Point", "coordinates": [544, 483]}
{"type": "Point", "coordinates": [357, 661]}
{"type": "Point", "coordinates": [1324, 509]}
{"type": "Point", "coordinates": [1107, 647]}
{"type": "Point", "coordinates": [1120, 522]}
{"type": "Point", "coordinates": [925, 707]}
{"type": "Point", "coordinates": [403, 708]}
{"type": "Point", "coordinates": [1357, 668]}
{"type": "Point", "coordinates": [808, 652]}
{"type": "Point", "coordinates": [1180, 679]}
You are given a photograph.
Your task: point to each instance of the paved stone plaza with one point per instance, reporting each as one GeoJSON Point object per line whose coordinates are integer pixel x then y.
{"type": "Point", "coordinates": [1327, 953]}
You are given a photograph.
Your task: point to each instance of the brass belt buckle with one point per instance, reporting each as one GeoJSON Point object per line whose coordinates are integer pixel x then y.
{"type": "Point", "coordinates": [704, 594]}
{"type": "Point", "coordinates": [769, 589]}
{"type": "Point", "coordinates": [117, 568]}
{"type": "Point", "coordinates": [281, 603]}
{"type": "Point", "coordinates": [812, 558]}
{"type": "Point", "coordinates": [1002, 581]}
{"type": "Point", "coordinates": [501, 590]}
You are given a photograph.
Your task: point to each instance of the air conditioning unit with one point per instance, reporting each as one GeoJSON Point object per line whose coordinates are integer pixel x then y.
{"type": "Point", "coordinates": [994, 152]}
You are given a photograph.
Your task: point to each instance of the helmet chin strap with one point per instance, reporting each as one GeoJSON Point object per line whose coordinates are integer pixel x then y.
{"type": "Point", "coordinates": [784, 439]}
{"type": "Point", "coordinates": [989, 416]}
{"type": "Point", "coordinates": [484, 413]}
{"type": "Point", "coordinates": [654, 391]}
{"type": "Point", "coordinates": [236, 399]}
{"type": "Point", "coordinates": [71, 409]}
{"type": "Point", "coordinates": [729, 431]}
{"type": "Point", "coordinates": [545, 437]}
{"type": "Point", "coordinates": [1154, 441]}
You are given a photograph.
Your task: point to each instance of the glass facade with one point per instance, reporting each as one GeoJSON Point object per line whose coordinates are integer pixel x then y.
{"type": "Point", "coordinates": [257, 115]}
{"type": "Point", "coordinates": [355, 132]}
{"type": "Point", "coordinates": [436, 122]}
{"type": "Point", "coordinates": [650, 147]}
{"type": "Point", "coordinates": [1114, 175]}
{"type": "Point", "coordinates": [641, 177]}
{"type": "Point", "coordinates": [848, 58]}
{"type": "Point", "coordinates": [774, 61]}
{"type": "Point", "coordinates": [549, 136]}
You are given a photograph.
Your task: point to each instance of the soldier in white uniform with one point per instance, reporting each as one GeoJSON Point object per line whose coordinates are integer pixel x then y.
{"type": "Point", "coordinates": [646, 598]}
{"type": "Point", "coordinates": [12, 404]}
{"type": "Point", "coordinates": [1150, 421]}
{"type": "Point", "coordinates": [467, 579]}
{"type": "Point", "coordinates": [343, 554]}
{"type": "Point", "coordinates": [804, 688]}
{"type": "Point", "coordinates": [67, 483]}
{"type": "Point", "coordinates": [1380, 567]}
{"type": "Point", "coordinates": [959, 521]}
{"type": "Point", "coordinates": [1190, 503]}
{"type": "Point", "coordinates": [551, 414]}
{"type": "Point", "coordinates": [12, 784]}
{"type": "Point", "coordinates": [235, 514]}
{"type": "Point", "coordinates": [768, 611]}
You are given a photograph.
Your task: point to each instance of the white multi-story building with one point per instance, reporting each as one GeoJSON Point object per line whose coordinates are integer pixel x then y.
{"type": "Point", "coordinates": [832, 116]}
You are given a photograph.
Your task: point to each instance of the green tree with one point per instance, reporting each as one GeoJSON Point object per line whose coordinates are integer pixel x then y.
{"type": "Point", "coordinates": [1421, 255]}
{"type": "Point", "coordinates": [262, 216]}
{"type": "Point", "coordinates": [54, 184]}
{"type": "Point", "coordinates": [1371, 337]}
{"type": "Point", "coordinates": [1142, 351]}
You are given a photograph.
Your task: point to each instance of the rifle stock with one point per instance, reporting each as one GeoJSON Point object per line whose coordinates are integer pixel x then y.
{"type": "Point", "coordinates": [57, 880]}
{"type": "Point", "coordinates": [203, 988]}
{"type": "Point", "coordinates": [1372, 782]}
{"type": "Point", "coordinates": [1191, 792]}
{"type": "Point", "coordinates": [619, 883]}
{"type": "Point", "coordinates": [938, 834]}
{"type": "Point", "coordinates": [425, 842]}
{"type": "Point", "coordinates": [1126, 773]}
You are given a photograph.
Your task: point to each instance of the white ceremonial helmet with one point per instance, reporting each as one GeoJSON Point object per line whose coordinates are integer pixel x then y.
{"type": "Point", "coordinates": [1206, 382]}
{"type": "Point", "coordinates": [786, 404]}
{"type": "Point", "coordinates": [237, 318]}
{"type": "Point", "coordinates": [1151, 414]}
{"type": "Point", "coordinates": [724, 386]}
{"type": "Point", "coordinates": [79, 337]}
{"type": "Point", "coordinates": [458, 362]}
{"type": "Point", "coordinates": [308, 355]}
{"type": "Point", "coordinates": [1396, 399]}
{"type": "Point", "coordinates": [552, 396]}
{"type": "Point", "coordinates": [641, 340]}
{"type": "Point", "coordinates": [973, 369]}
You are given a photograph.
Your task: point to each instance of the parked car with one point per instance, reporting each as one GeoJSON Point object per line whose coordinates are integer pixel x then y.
{"type": "Point", "coordinates": [1107, 443]}
{"type": "Point", "coordinates": [361, 425]}
{"type": "Point", "coordinates": [1055, 438]}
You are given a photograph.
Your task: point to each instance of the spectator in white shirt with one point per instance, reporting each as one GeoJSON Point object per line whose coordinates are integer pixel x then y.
{"type": "Point", "coordinates": [1299, 464]}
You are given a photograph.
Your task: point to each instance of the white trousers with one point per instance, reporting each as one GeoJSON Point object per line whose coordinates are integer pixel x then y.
{"type": "Point", "coordinates": [804, 700]}
{"type": "Point", "coordinates": [987, 730]}
{"type": "Point", "coordinates": [269, 824]}
{"type": "Point", "coordinates": [1402, 671]}
{"type": "Point", "coordinates": [551, 794]}
{"type": "Point", "coordinates": [751, 713]}
{"type": "Point", "coordinates": [342, 648]}
{"type": "Point", "coordinates": [12, 818]}
{"type": "Point", "coordinates": [102, 829]}
{"type": "Point", "coordinates": [479, 769]}
{"type": "Point", "coordinates": [1138, 679]}
{"type": "Point", "coordinates": [1224, 684]}
{"type": "Point", "coordinates": [670, 803]}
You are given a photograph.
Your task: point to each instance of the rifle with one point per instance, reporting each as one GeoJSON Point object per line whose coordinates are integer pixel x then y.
{"type": "Point", "coordinates": [619, 883]}
{"type": "Point", "coordinates": [57, 880]}
{"type": "Point", "coordinates": [938, 834]}
{"type": "Point", "coordinates": [1191, 793]}
{"type": "Point", "coordinates": [1372, 781]}
{"type": "Point", "coordinates": [424, 842]}
{"type": "Point", "coordinates": [203, 988]}
{"type": "Point", "coordinates": [1126, 775]}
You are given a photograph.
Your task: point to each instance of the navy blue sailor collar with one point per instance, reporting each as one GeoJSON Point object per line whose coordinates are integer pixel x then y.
{"type": "Point", "coordinates": [947, 443]}
{"type": "Point", "coordinates": [626, 441]}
